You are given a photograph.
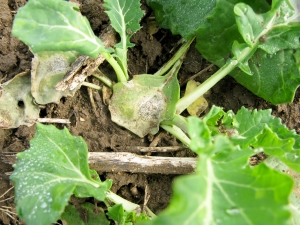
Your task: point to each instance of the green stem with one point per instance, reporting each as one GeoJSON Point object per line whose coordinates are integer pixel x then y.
{"type": "Point", "coordinates": [175, 57]}
{"type": "Point", "coordinates": [179, 121]}
{"type": "Point", "coordinates": [127, 205]}
{"type": "Point", "coordinates": [94, 86]}
{"type": "Point", "coordinates": [177, 132]}
{"type": "Point", "coordinates": [231, 64]}
{"type": "Point", "coordinates": [99, 75]}
{"type": "Point", "coordinates": [119, 72]}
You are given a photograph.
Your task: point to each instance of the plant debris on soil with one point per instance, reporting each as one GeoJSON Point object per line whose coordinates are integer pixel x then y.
{"type": "Point", "coordinates": [93, 122]}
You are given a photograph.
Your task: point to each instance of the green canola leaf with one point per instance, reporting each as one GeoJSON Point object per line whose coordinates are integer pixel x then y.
{"type": "Point", "coordinates": [275, 32]}
{"type": "Point", "coordinates": [226, 190]}
{"type": "Point", "coordinates": [263, 132]}
{"type": "Point", "coordinates": [258, 130]}
{"type": "Point", "coordinates": [125, 17]}
{"type": "Point", "coordinates": [49, 172]}
{"type": "Point", "coordinates": [276, 164]}
{"type": "Point", "coordinates": [72, 217]}
{"type": "Point", "coordinates": [116, 213]}
{"type": "Point", "coordinates": [142, 103]}
{"type": "Point", "coordinates": [55, 25]}
{"type": "Point", "coordinates": [182, 17]}
{"type": "Point", "coordinates": [215, 39]}
{"type": "Point", "coordinates": [275, 77]}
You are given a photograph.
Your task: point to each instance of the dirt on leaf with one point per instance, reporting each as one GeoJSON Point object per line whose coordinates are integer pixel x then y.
{"type": "Point", "coordinates": [93, 123]}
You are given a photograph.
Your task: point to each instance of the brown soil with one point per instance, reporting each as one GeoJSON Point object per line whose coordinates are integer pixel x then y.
{"type": "Point", "coordinates": [149, 54]}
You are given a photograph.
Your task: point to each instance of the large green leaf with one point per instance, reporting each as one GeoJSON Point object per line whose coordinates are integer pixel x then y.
{"type": "Point", "coordinates": [48, 173]}
{"type": "Point", "coordinates": [275, 77]}
{"type": "Point", "coordinates": [262, 131]}
{"type": "Point", "coordinates": [182, 17]}
{"type": "Point", "coordinates": [226, 190]}
{"type": "Point", "coordinates": [55, 25]}
{"type": "Point", "coordinates": [275, 68]}
{"type": "Point", "coordinates": [273, 162]}
{"type": "Point", "coordinates": [258, 130]}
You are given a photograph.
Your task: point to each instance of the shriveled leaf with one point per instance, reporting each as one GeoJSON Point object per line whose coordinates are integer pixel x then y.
{"type": "Point", "coordinates": [198, 106]}
{"type": "Point", "coordinates": [142, 103]}
{"type": "Point", "coordinates": [55, 25]}
{"type": "Point", "coordinates": [226, 190]}
{"type": "Point", "coordinates": [49, 172]}
{"type": "Point", "coordinates": [17, 107]}
{"type": "Point", "coordinates": [48, 69]}
{"type": "Point", "coordinates": [273, 162]}
{"type": "Point", "coordinates": [182, 17]}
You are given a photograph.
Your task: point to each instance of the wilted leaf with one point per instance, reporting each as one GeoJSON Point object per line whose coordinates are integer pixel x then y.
{"type": "Point", "coordinates": [198, 106]}
{"type": "Point", "coordinates": [17, 106]}
{"type": "Point", "coordinates": [142, 103]}
{"type": "Point", "coordinates": [48, 69]}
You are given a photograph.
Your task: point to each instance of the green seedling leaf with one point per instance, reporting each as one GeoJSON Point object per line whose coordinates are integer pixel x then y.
{"type": "Point", "coordinates": [182, 17]}
{"type": "Point", "coordinates": [258, 130]}
{"type": "Point", "coordinates": [48, 69]}
{"type": "Point", "coordinates": [262, 131]}
{"type": "Point", "coordinates": [274, 67]}
{"type": "Point", "coordinates": [276, 164]}
{"type": "Point", "coordinates": [226, 190]}
{"type": "Point", "coordinates": [116, 213]}
{"type": "Point", "coordinates": [94, 217]}
{"type": "Point", "coordinates": [17, 107]}
{"type": "Point", "coordinates": [48, 173]}
{"type": "Point", "coordinates": [125, 17]}
{"type": "Point", "coordinates": [142, 103]}
{"type": "Point", "coordinates": [275, 77]}
{"type": "Point", "coordinates": [55, 25]}
{"type": "Point", "coordinates": [71, 216]}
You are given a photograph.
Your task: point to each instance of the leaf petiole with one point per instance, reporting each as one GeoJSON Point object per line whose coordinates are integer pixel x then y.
{"type": "Point", "coordinates": [119, 72]}
{"type": "Point", "coordinates": [177, 132]}
{"type": "Point", "coordinates": [127, 205]}
{"type": "Point", "coordinates": [173, 60]}
{"type": "Point", "coordinates": [99, 75]}
{"type": "Point", "coordinates": [91, 85]}
{"type": "Point", "coordinates": [231, 64]}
